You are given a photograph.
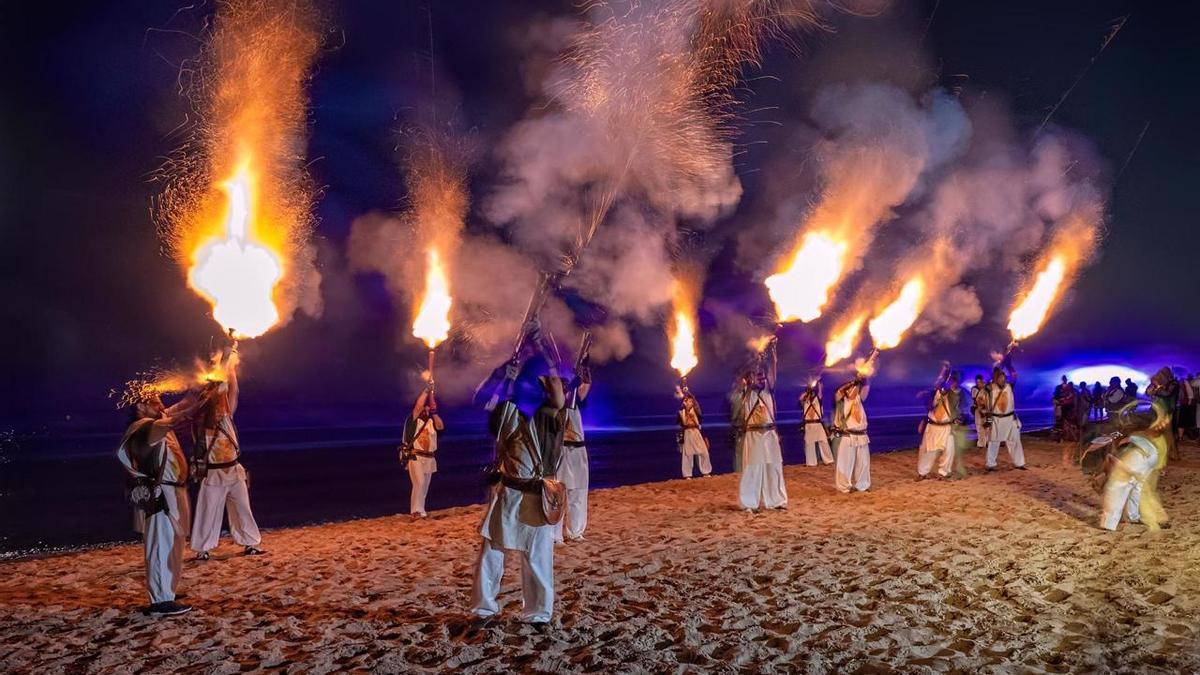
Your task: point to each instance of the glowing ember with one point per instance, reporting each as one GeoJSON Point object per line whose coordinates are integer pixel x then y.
{"type": "Point", "coordinates": [802, 290]}
{"type": "Point", "coordinates": [889, 326]}
{"type": "Point", "coordinates": [758, 344]}
{"type": "Point", "coordinates": [433, 319]}
{"type": "Point", "coordinates": [841, 345]}
{"type": "Point", "coordinates": [235, 273]}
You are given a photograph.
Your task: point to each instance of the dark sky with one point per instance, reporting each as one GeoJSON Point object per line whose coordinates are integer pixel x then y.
{"type": "Point", "coordinates": [89, 103]}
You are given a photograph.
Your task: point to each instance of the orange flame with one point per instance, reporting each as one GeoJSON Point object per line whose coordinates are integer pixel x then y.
{"type": "Point", "coordinates": [890, 325]}
{"type": "Point", "coordinates": [235, 272]}
{"type": "Point", "coordinates": [1072, 245]}
{"type": "Point", "coordinates": [432, 323]}
{"type": "Point", "coordinates": [682, 328]}
{"type": "Point", "coordinates": [683, 343]}
{"type": "Point", "coordinates": [842, 343]}
{"type": "Point", "coordinates": [802, 289]}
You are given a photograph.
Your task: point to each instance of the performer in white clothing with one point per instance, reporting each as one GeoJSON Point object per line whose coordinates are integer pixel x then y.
{"type": "Point", "coordinates": [979, 408]}
{"type": "Point", "coordinates": [515, 521]}
{"type": "Point", "coordinates": [761, 458]}
{"type": "Point", "coordinates": [816, 439]}
{"type": "Point", "coordinates": [573, 471]}
{"type": "Point", "coordinates": [225, 485]}
{"type": "Point", "coordinates": [937, 440]}
{"type": "Point", "coordinates": [693, 446]}
{"type": "Point", "coordinates": [1004, 425]}
{"type": "Point", "coordinates": [852, 446]}
{"type": "Point", "coordinates": [419, 450]}
{"type": "Point", "coordinates": [158, 469]}
{"type": "Point", "coordinates": [1132, 484]}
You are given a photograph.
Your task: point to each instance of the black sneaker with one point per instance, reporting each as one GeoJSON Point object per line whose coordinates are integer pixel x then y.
{"type": "Point", "coordinates": [169, 608]}
{"type": "Point", "coordinates": [253, 550]}
{"type": "Point", "coordinates": [1022, 468]}
{"type": "Point", "coordinates": [202, 556]}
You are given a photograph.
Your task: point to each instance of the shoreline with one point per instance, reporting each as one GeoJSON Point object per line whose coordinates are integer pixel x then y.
{"type": "Point", "coordinates": [999, 571]}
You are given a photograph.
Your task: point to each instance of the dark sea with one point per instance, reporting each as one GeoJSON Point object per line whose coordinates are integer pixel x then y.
{"type": "Point", "coordinates": [61, 486]}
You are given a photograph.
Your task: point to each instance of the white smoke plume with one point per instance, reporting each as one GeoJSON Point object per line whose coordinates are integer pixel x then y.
{"type": "Point", "coordinates": [631, 140]}
{"type": "Point", "coordinates": [875, 145]}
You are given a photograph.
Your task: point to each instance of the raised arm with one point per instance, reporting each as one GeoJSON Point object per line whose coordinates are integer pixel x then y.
{"type": "Point", "coordinates": [229, 362]}
{"type": "Point", "coordinates": [419, 406]}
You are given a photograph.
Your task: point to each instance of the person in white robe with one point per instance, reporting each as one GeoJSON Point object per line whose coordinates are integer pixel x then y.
{"type": "Point", "coordinates": [816, 439]}
{"type": "Point", "coordinates": [937, 441]}
{"type": "Point", "coordinates": [421, 439]}
{"type": "Point", "coordinates": [1132, 484]}
{"type": "Point", "coordinates": [573, 471]}
{"type": "Point", "coordinates": [693, 446]}
{"type": "Point", "coordinates": [979, 408]}
{"type": "Point", "coordinates": [761, 457]}
{"type": "Point", "coordinates": [225, 486]}
{"type": "Point", "coordinates": [1004, 425]}
{"type": "Point", "coordinates": [515, 522]}
{"type": "Point", "coordinates": [852, 447]}
{"type": "Point", "coordinates": [153, 457]}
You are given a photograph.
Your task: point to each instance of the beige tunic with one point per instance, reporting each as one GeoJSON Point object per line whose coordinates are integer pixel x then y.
{"type": "Point", "coordinates": [514, 519]}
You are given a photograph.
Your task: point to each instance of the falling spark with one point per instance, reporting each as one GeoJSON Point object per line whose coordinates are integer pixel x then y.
{"type": "Point", "coordinates": [842, 344]}
{"type": "Point", "coordinates": [432, 323]}
{"type": "Point", "coordinates": [235, 273]}
{"type": "Point", "coordinates": [889, 326]}
{"type": "Point", "coordinates": [802, 289]}
{"type": "Point", "coordinates": [1072, 245]}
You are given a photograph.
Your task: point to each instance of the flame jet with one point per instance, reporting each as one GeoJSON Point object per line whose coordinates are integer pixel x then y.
{"type": "Point", "coordinates": [1071, 246]}
{"type": "Point", "coordinates": [236, 210]}
{"type": "Point", "coordinates": [432, 323]}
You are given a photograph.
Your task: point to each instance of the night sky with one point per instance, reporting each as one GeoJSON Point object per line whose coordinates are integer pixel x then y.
{"type": "Point", "coordinates": [90, 105]}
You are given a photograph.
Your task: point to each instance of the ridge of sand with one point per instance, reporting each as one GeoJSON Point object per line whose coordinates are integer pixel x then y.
{"type": "Point", "coordinates": [1001, 572]}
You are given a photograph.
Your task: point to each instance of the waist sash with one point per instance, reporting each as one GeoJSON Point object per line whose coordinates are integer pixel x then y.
{"type": "Point", "coordinates": [574, 444]}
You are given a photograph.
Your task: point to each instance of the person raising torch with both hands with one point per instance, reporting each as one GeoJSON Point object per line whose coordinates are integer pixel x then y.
{"type": "Point", "coordinates": [1003, 424]}
{"type": "Point", "coordinates": [516, 521]}
{"type": "Point", "coordinates": [225, 484]}
{"type": "Point", "coordinates": [420, 446]}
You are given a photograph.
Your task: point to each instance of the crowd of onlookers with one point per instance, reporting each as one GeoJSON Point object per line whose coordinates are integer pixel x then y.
{"type": "Point", "coordinates": [1077, 404]}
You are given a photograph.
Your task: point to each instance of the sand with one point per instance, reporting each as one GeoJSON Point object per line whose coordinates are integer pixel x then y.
{"type": "Point", "coordinates": [1001, 572]}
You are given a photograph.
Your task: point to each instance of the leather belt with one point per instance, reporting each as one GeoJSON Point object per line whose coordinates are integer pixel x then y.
{"type": "Point", "coordinates": [223, 465]}
{"type": "Point", "coordinates": [422, 453]}
{"type": "Point", "coordinates": [533, 485]}
{"type": "Point", "coordinates": [574, 444]}
{"type": "Point", "coordinates": [172, 483]}
{"type": "Point", "coordinates": [759, 427]}
{"type": "Point", "coordinates": [1007, 414]}
{"type": "Point", "coordinates": [936, 423]}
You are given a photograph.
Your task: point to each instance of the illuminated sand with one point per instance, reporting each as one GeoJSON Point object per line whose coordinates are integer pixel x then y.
{"type": "Point", "coordinates": [1003, 572]}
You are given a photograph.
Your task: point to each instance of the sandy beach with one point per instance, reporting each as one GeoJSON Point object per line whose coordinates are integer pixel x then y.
{"type": "Point", "coordinates": [1000, 572]}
